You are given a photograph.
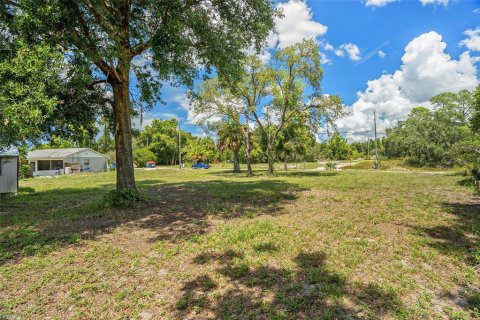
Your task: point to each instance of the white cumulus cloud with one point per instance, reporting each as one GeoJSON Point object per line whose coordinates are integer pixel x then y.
{"type": "Point", "coordinates": [473, 40]}
{"type": "Point", "coordinates": [297, 24]}
{"type": "Point", "coordinates": [339, 52]}
{"type": "Point", "coordinates": [426, 71]}
{"type": "Point", "coordinates": [435, 2]}
{"type": "Point", "coordinates": [327, 46]}
{"type": "Point", "coordinates": [351, 50]}
{"type": "Point", "coordinates": [377, 3]}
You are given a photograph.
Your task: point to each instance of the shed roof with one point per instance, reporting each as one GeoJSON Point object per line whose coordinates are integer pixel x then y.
{"type": "Point", "coordinates": [9, 152]}
{"type": "Point", "coordinates": [56, 153]}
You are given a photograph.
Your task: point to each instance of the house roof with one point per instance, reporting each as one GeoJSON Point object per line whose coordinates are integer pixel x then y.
{"type": "Point", "coordinates": [56, 153]}
{"type": "Point", "coordinates": [9, 152]}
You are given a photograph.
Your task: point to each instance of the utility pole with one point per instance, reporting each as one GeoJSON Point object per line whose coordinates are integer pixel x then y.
{"type": "Point", "coordinates": [377, 165]}
{"type": "Point", "coordinates": [368, 147]}
{"type": "Point", "coordinates": [179, 147]}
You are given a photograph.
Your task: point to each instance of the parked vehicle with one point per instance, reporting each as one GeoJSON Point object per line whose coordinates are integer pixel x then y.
{"type": "Point", "coordinates": [150, 164]}
{"type": "Point", "coordinates": [200, 165]}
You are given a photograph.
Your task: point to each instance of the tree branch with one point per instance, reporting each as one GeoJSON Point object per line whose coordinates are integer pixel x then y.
{"type": "Point", "coordinates": [139, 49]}
{"type": "Point", "coordinates": [102, 22]}
{"type": "Point", "coordinates": [94, 83]}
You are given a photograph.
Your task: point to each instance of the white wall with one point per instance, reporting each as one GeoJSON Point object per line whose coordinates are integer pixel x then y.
{"type": "Point", "coordinates": [89, 160]}
{"type": "Point", "coordinates": [94, 163]}
{"type": "Point", "coordinates": [9, 176]}
{"type": "Point", "coordinates": [45, 173]}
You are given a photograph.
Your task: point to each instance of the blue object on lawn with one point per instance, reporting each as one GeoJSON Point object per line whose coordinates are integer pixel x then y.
{"type": "Point", "coordinates": [150, 164]}
{"type": "Point", "coordinates": [200, 165]}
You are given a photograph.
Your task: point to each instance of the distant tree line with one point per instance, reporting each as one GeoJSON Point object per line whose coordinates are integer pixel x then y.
{"type": "Point", "coordinates": [445, 135]}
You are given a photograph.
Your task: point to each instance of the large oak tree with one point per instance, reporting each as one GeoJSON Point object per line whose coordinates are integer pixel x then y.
{"type": "Point", "coordinates": [295, 71]}
{"type": "Point", "coordinates": [174, 38]}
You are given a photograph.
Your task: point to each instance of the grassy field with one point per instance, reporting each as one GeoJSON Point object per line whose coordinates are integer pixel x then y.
{"type": "Point", "coordinates": [304, 244]}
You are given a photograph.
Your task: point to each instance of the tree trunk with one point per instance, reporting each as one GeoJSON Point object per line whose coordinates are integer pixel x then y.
{"type": "Point", "coordinates": [285, 164]}
{"type": "Point", "coordinates": [123, 135]}
{"type": "Point", "coordinates": [248, 149]}
{"type": "Point", "coordinates": [270, 158]}
{"type": "Point", "coordinates": [249, 161]}
{"type": "Point", "coordinates": [236, 163]}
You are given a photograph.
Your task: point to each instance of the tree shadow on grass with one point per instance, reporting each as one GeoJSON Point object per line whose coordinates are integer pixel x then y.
{"type": "Point", "coordinates": [182, 210]}
{"type": "Point", "coordinates": [310, 290]}
{"type": "Point", "coordinates": [279, 173]}
{"type": "Point", "coordinates": [26, 190]}
{"type": "Point", "coordinates": [307, 173]}
{"type": "Point", "coordinates": [39, 222]}
{"type": "Point", "coordinates": [461, 240]}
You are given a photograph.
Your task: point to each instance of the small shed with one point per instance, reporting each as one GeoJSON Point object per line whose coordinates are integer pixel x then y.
{"type": "Point", "coordinates": [9, 166]}
{"type": "Point", "coordinates": [49, 162]}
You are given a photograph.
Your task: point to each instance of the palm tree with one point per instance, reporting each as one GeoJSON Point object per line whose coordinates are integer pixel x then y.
{"type": "Point", "coordinates": [230, 137]}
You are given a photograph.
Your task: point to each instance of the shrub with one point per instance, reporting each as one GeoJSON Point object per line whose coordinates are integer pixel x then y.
{"type": "Point", "coordinates": [142, 155]}
{"type": "Point", "coordinates": [330, 166]}
{"type": "Point", "coordinates": [475, 175]}
{"type": "Point", "coordinates": [24, 171]}
{"type": "Point", "coordinates": [357, 155]}
{"type": "Point", "coordinates": [377, 164]}
{"type": "Point", "coordinates": [125, 198]}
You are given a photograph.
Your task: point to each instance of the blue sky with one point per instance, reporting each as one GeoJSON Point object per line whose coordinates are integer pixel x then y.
{"type": "Point", "coordinates": [362, 41]}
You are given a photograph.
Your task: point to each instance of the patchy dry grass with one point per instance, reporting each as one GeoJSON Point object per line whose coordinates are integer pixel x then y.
{"type": "Point", "coordinates": [214, 245]}
{"type": "Point", "coordinates": [397, 165]}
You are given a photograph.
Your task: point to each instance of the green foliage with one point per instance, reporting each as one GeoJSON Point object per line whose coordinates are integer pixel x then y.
{"type": "Point", "coordinates": [294, 70]}
{"type": "Point", "coordinates": [315, 152]}
{"type": "Point", "coordinates": [159, 142]}
{"type": "Point", "coordinates": [218, 33]}
{"type": "Point", "coordinates": [174, 37]}
{"type": "Point", "coordinates": [475, 172]}
{"type": "Point", "coordinates": [294, 139]}
{"type": "Point", "coordinates": [201, 150]}
{"type": "Point", "coordinates": [24, 171]}
{"type": "Point", "coordinates": [111, 154]}
{"type": "Point", "coordinates": [24, 101]}
{"type": "Point", "coordinates": [121, 199]}
{"type": "Point", "coordinates": [361, 148]}
{"type": "Point", "coordinates": [232, 103]}
{"type": "Point", "coordinates": [161, 138]}
{"type": "Point", "coordinates": [330, 166]}
{"type": "Point", "coordinates": [44, 95]}
{"type": "Point", "coordinates": [284, 124]}
{"type": "Point", "coordinates": [141, 156]}
{"type": "Point", "coordinates": [428, 138]}
{"type": "Point", "coordinates": [476, 110]}
{"type": "Point", "coordinates": [441, 137]}
{"type": "Point", "coordinates": [230, 137]}
{"type": "Point", "coordinates": [105, 142]}
{"type": "Point", "coordinates": [338, 148]}
{"type": "Point", "coordinates": [459, 103]}
{"type": "Point", "coordinates": [356, 155]}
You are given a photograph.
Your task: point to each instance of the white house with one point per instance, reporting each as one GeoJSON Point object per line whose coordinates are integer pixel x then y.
{"type": "Point", "coordinates": [49, 162]}
{"type": "Point", "coordinates": [9, 170]}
